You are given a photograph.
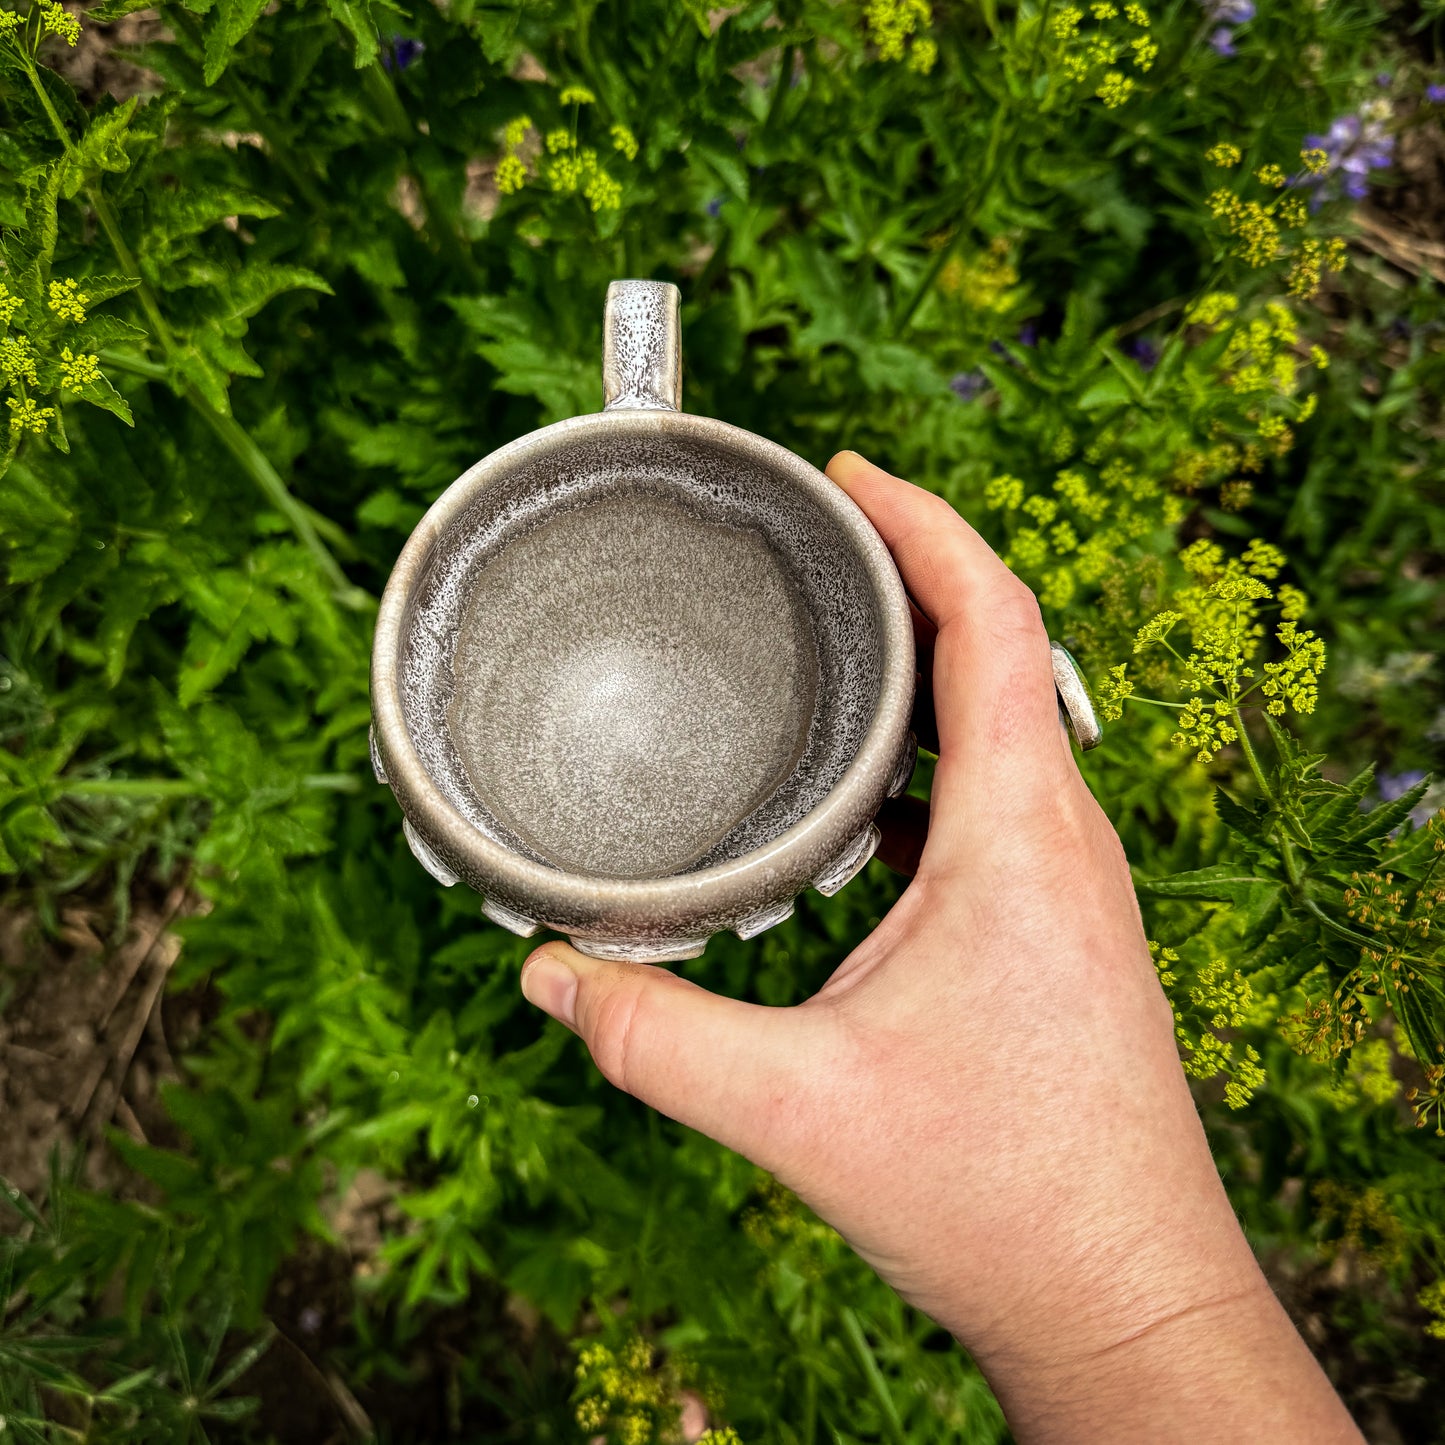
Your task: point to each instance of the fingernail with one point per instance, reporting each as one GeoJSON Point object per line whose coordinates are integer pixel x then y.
{"type": "Point", "coordinates": [548, 983]}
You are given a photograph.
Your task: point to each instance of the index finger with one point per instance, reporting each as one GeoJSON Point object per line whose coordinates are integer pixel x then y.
{"type": "Point", "coordinates": [993, 683]}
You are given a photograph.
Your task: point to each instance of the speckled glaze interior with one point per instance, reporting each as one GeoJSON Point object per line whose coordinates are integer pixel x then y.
{"type": "Point", "coordinates": [642, 661]}
{"type": "Point", "coordinates": [642, 676]}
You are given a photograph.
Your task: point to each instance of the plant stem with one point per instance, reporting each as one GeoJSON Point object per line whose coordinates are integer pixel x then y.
{"type": "Point", "coordinates": [132, 788]}
{"type": "Point", "coordinates": [1286, 849]}
{"type": "Point", "coordinates": [893, 1426]}
{"type": "Point", "coordinates": [237, 440]}
{"type": "Point", "coordinates": [184, 788]}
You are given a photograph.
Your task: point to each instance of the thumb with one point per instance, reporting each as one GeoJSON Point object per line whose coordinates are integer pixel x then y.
{"type": "Point", "coordinates": [745, 1074]}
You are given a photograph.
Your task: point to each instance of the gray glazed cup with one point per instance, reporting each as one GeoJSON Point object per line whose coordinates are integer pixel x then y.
{"type": "Point", "coordinates": [641, 677]}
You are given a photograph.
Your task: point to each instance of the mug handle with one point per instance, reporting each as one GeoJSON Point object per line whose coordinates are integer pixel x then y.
{"type": "Point", "coordinates": [642, 347]}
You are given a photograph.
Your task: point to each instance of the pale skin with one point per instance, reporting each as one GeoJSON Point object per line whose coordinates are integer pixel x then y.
{"type": "Point", "coordinates": [985, 1099]}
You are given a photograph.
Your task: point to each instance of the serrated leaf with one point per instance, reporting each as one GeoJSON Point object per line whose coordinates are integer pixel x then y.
{"type": "Point", "coordinates": [100, 393]}
{"type": "Point", "coordinates": [1246, 819]}
{"type": "Point", "coordinates": [103, 288]}
{"type": "Point", "coordinates": [99, 331]}
{"type": "Point", "coordinates": [102, 147]}
{"type": "Point", "coordinates": [185, 213]}
{"type": "Point", "coordinates": [230, 22]}
{"type": "Point", "coordinates": [355, 17]}
{"type": "Point", "coordinates": [235, 608]}
{"type": "Point", "coordinates": [1381, 821]}
{"type": "Point", "coordinates": [1219, 883]}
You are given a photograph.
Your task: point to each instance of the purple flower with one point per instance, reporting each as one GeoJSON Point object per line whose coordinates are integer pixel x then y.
{"type": "Point", "coordinates": [1227, 15]}
{"type": "Point", "coordinates": [967, 384]}
{"type": "Point", "coordinates": [1383, 78]}
{"type": "Point", "coordinates": [1354, 147]}
{"type": "Point", "coordinates": [1029, 333]}
{"type": "Point", "coordinates": [310, 1319]}
{"type": "Point", "coordinates": [1396, 785]}
{"type": "Point", "coordinates": [1144, 351]}
{"type": "Point", "coordinates": [1435, 94]}
{"type": "Point", "coordinates": [714, 206]}
{"type": "Point", "coordinates": [399, 52]}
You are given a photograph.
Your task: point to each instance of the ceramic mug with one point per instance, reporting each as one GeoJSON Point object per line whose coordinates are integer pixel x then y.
{"type": "Point", "coordinates": [641, 677]}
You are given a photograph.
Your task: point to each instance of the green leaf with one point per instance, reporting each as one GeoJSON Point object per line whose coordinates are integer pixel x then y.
{"type": "Point", "coordinates": [1377, 824]}
{"type": "Point", "coordinates": [1219, 883]}
{"type": "Point", "coordinates": [103, 288]}
{"type": "Point", "coordinates": [97, 332]}
{"type": "Point", "coordinates": [229, 23]}
{"type": "Point", "coordinates": [1109, 390]}
{"type": "Point", "coordinates": [102, 147]}
{"type": "Point", "coordinates": [100, 393]}
{"type": "Point", "coordinates": [1249, 820]}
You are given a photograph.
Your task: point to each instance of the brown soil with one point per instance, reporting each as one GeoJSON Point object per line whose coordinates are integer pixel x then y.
{"type": "Point", "coordinates": [97, 65]}
{"type": "Point", "coordinates": [84, 1035]}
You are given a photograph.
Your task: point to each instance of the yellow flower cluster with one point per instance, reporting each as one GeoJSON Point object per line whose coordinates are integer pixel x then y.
{"type": "Point", "coordinates": [1113, 692]}
{"type": "Point", "coordinates": [1261, 364]}
{"type": "Point", "coordinates": [897, 28]}
{"type": "Point", "coordinates": [1115, 88]}
{"type": "Point", "coordinates": [54, 21]}
{"type": "Point", "coordinates": [985, 282]}
{"type": "Point", "coordinates": [1219, 999]}
{"type": "Point", "coordinates": [25, 415]}
{"type": "Point", "coordinates": [1095, 57]}
{"type": "Point", "coordinates": [67, 301]}
{"type": "Point", "coordinates": [23, 367]}
{"type": "Point", "coordinates": [17, 360]}
{"type": "Point", "coordinates": [624, 141]}
{"type": "Point", "coordinates": [1081, 527]}
{"type": "Point", "coordinates": [1257, 226]}
{"type": "Point", "coordinates": [624, 1396]}
{"type": "Point", "coordinates": [1432, 1299]}
{"type": "Point", "coordinates": [9, 304]}
{"type": "Point", "coordinates": [1311, 261]}
{"type": "Point", "coordinates": [1220, 610]}
{"type": "Point", "coordinates": [78, 369]}
{"type": "Point", "coordinates": [1255, 229]}
{"type": "Point", "coordinates": [567, 168]}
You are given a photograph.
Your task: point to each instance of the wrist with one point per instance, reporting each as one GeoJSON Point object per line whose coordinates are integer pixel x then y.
{"type": "Point", "coordinates": [1201, 1351]}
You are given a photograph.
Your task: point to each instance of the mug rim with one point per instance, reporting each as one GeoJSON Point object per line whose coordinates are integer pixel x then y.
{"type": "Point", "coordinates": [564, 899]}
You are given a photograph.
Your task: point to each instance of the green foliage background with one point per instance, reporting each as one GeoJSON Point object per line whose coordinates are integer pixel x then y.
{"type": "Point", "coordinates": [312, 306]}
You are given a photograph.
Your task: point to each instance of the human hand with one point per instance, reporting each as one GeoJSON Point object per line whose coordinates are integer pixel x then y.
{"type": "Point", "coordinates": [985, 1099]}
